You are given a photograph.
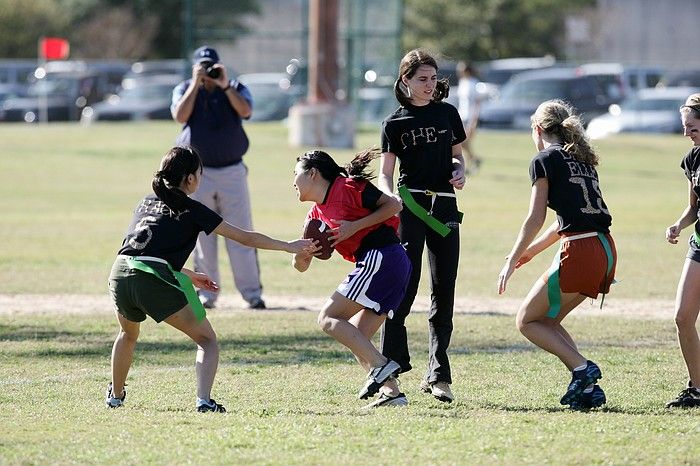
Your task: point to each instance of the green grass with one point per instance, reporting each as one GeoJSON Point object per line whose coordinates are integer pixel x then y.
{"type": "Point", "coordinates": [291, 395]}
{"type": "Point", "coordinates": [69, 191]}
{"type": "Point", "coordinates": [67, 198]}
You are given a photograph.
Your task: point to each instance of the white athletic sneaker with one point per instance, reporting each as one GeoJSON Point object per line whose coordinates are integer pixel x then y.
{"type": "Point", "coordinates": [440, 390]}
{"type": "Point", "coordinates": [376, 378]}
{"type": "Point", "coordinates": [387, 400]}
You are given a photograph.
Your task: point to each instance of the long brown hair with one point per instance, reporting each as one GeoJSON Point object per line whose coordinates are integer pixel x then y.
{"type": "Point", "coordinates": [408, 67]}
{"type": "Point", "coordinates": [557, 117]}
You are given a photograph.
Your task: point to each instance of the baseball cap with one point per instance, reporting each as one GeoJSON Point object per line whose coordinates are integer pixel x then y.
{"type": "Point", "coordinates": [205, 53]}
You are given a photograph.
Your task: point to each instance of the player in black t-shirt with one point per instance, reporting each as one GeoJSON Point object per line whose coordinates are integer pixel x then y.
{"type": "Point", "coordinates": [564, 178]}
{"type": "Point", "coordinates": [148, 277]}
{"type": "Point", "coordinates": [425, 134]}
{"type": "Point", "coordinates": [688, 294]}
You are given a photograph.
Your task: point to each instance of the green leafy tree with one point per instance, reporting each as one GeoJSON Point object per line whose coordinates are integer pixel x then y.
{"type": "Point", "coordinates": [487, 29]}
{"type": "Point", "coordinates": [131, 29]}
{"type": "Point", "coordinates": [212, 20]}
{"type": "Point", "coordinates": [23, 22]}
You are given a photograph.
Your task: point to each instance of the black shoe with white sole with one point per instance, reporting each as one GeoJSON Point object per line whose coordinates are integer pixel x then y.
{"type": "Point", "coordinates": [376, 377]}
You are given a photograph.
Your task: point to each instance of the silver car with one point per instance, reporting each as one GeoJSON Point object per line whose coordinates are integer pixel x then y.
{"type": "Point", "coordinates": [653, 110]}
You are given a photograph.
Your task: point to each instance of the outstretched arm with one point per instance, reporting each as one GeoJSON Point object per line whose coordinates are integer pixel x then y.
{"type": "Point", "coordinates": [532, 224]}
{"type": "Point", "coordinates": [261, 241]}
{"type": "Point", "coordinates": [545, 240]}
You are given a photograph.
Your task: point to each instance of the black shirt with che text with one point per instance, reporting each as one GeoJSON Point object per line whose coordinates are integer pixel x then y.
{"type": "Point", "coordinates": [691, 167]}
{"type": "Point", "coordinates": [157, 231]}
{"type": "Point", "coordinates": [422, 139]}
{"type": "Point", "coordinates": [574, 191]}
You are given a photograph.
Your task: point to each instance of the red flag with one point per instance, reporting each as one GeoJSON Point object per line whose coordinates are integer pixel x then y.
{"type": "Point", "coordinates": [53, 48]}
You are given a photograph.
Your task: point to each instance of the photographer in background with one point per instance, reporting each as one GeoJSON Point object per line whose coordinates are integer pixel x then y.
{"type": "Point", "coordinates": [212, 108]}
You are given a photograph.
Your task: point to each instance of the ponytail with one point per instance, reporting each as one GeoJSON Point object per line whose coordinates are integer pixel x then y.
{"type": "Point", "coordinates": [175, 167]}
{"type": "Point", "coordinates": [556, 117]}
{"type": "Point", "coordinates": [330, 170]}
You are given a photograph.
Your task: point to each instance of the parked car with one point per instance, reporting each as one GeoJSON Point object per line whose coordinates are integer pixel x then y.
{"type": "Point", "coordinates": [649, 111]}
{"type": "Point", "coordinates": [62, 94]}
{"type": "Point", "coordinates": [619, 81]}
{"type": "Point", "coordinates": [149, 100]}
{"type": "Point", "coordinates": [498, 72]}
{"type": "Point", "coordinates": [16, 72]}
{"type": "Point", "coordinates": [271, 95]}
{"type": "Point", "coordinates": [144, 69]}
{"type": "Point", "coordinates": [520, 97]}
{"type": "Point", "coordinates": [11, 91]}
{"type": "Point", "coordinates": [688, 78]}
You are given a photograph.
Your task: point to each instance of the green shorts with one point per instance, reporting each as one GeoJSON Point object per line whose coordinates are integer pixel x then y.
{"type": "Point", "coordinates": [137, 294]}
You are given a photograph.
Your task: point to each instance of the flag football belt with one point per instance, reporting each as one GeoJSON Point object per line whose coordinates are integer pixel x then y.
{"type": "Point", "coordinates": [696, 237]}
{"type": "Point", "coordinates": [184, 282]}
{"type": "Point", "coordinates": [553, 289]}
{"type": "Point", "coordinates": [420, 212]}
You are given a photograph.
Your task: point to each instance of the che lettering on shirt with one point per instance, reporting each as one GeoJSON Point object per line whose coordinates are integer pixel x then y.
{"type": "Point", "coordinates": [415, 135]}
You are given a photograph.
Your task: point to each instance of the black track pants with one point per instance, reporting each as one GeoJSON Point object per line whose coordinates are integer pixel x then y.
{"type": "Point", "coordinates": [443, 258]}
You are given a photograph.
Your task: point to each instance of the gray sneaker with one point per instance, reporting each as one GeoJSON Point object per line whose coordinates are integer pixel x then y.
{"type": "Point", "coordinates": [387, 400]}
{"type": "Point", "coordinates": [376, 378]}
{"type": "Point", "coordinates": [113, 401]}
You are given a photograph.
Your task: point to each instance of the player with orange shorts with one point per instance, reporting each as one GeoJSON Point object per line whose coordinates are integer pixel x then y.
{"type": "Point", "coordinates": [564, 178]}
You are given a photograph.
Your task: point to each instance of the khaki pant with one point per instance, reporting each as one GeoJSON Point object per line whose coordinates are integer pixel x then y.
{"type": "Point", "coordinates": [225, 191]}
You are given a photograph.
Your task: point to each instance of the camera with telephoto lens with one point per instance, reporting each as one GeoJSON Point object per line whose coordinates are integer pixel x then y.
{"type": "Point", "coordinates": [212, 72]}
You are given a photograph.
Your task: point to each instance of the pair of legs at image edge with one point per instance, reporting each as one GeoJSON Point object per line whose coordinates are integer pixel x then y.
{"type": "Point", "coordinates": [207, 359]}
{"type": "Point", "coordinates": [542, 326]}
{"type": "Point", "coordinates": [687, 307]}
{"type": "Point", "coordinates": [353, 325]}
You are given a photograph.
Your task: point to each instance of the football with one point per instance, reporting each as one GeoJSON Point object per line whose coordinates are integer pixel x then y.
{"type": "Point", "coordinates": [319, 230]}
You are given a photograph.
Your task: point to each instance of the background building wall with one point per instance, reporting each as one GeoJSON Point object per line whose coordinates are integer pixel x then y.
{"type": "Point", "coordinates": [645, 32]}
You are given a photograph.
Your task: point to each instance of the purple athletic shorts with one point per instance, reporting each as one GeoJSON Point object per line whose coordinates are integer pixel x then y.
{"type": "Point", "coordinates": [379, 280]}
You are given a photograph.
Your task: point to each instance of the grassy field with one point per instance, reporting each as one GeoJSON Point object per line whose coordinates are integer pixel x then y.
{"type": "Point", "coordinates": [70, 191]}
{"type": "Point", "coordinates": [289, 388]}
{"type": "Point", "coordinates": [290, 391]}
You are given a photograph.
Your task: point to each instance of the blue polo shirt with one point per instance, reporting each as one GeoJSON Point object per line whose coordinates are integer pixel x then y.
{"type": "Point", "coordinates": [215, 129]}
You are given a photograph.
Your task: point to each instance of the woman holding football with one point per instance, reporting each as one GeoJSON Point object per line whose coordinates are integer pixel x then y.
{"type": "Point", "coordinates": [688, 294]}
{"type": "Point", "coordinates": [363, 225]}
{"type": "Point", "coordinates": [564, 177]}
{"type": "Point", "coordinates": [425, 134]}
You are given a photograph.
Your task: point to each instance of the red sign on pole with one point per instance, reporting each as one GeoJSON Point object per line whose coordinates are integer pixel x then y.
{"type": "Point", "coordinates": [53, 48]}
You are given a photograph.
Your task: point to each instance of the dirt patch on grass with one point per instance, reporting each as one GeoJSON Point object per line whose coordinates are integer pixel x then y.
{"type": "Point", "coordinates": [23, 304]}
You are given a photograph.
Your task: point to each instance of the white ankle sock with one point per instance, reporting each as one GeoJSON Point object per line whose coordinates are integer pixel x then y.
{"type": "Point", "coordinates": [580, 368]}
{"type": "Point", "coordinates": [201, 402]}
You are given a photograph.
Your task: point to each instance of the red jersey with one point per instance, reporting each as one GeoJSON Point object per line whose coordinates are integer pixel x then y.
{"type": "Point", "coordinates": [344, 202]}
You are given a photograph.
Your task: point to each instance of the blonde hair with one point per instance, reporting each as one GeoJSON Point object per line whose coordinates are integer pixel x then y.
{"type": "Point", "coordinates": [557, 118]}
{"type": "Point", "coordinates": [692, 106]}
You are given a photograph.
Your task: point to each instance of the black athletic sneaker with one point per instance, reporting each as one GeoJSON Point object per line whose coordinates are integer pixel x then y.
{"type": "Point", "coordinates": [688, 398]}
{"type": "Point", "coordinates": [376, 378]}
{"type": "Point", "coordinates": [589, 400]}
{"type": "Point", "coordinates": [212, 407]}
{"type": "Point", "coordinates": [580, 380]}
{"type": "Point", "coordinates": [113, 401]}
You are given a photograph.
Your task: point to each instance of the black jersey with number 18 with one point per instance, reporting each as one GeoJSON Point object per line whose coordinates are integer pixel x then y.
{"type": "Point", "coordinates": [574, 190]}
